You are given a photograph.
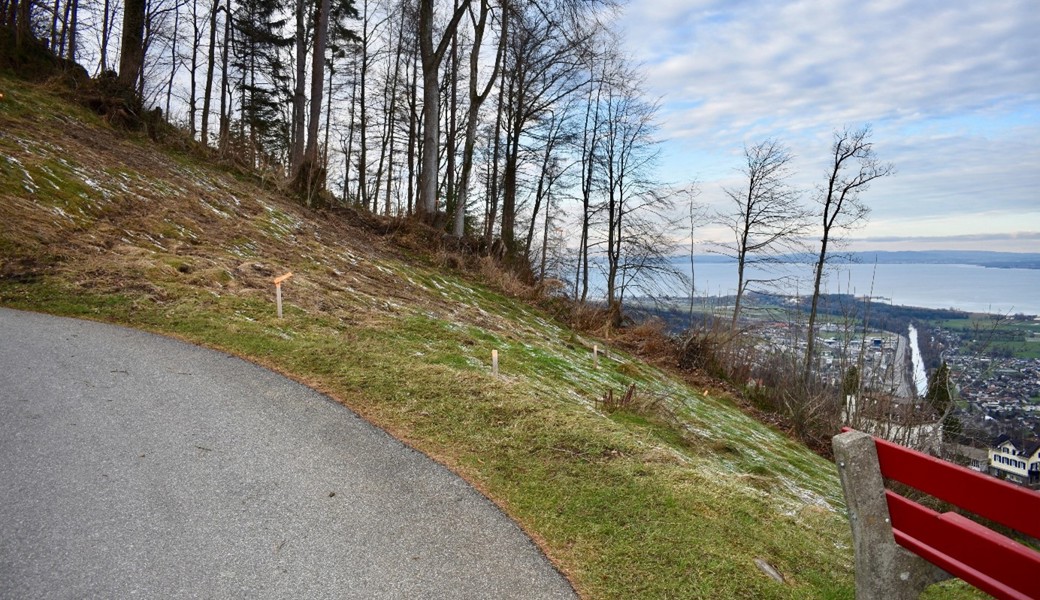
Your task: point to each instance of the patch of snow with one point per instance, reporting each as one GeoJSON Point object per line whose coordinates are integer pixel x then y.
{"type": "Point", "coordinates": [216, 210]}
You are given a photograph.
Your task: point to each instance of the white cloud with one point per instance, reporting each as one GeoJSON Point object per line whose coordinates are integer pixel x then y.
{"type": "Point", "coordinates": [951, 88]}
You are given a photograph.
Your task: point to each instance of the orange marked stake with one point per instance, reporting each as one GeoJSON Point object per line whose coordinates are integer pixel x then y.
{"type": "Point", "coordinates": [278, 291]}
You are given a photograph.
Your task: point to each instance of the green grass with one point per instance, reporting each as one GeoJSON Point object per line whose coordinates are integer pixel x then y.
{"type": "Point", "coordinates": [626, 504]}
{"type": "Point", "coordinates": [983, 334]}
{"type": "Point", "coordinates": [672, 502]}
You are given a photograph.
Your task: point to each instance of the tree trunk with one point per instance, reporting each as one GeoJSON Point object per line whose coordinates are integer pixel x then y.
{"type": "Point", "coordinates": [175, 63]}
{"type": "Point", "coordinates": [545, 238]}
{"type": "Point", "coordinates": [476, 100]}
{"type": "Point", "coordinates": [349, 151]}
{"type": "Point", "coordinates": [413, 101]}
{"type": "Point", "coordinates": [22, 22]}
{"type": "Point", "coordinates": [328, 119]}
{"type": "Point", "coordinates": [224, 134]}
{"type": "Point", "coordinates": [451, 147]}
{"type": "Point", "coordinates": [492, 211]}
{"type": "Point", "coordinates": [60, 49]}
{"type": "Point", "coordinates": [309, 178]}
{"type": "Point", "coordinates": [545, 180]}
{"type": "Point", "coordinates": [363, 116]}
{"type": "Point", "coordinates": [211, 64]}
{"type": "Point", "coordinates": [427, 205]}
{"type": "Point", "coordinates": [392, 119]}
{"type": "Point", "coordinates": [196, 37]}
{"type": "Point", "coordinates": [55, 12]}
{"type": "Point", "coordinates": [514, 129]}
{"type": "Point", "coordinates": [73, 31]}
{"type": "Point", "coordinates": [131, 54]}
{"type": "Point", "coordinates": [299, 91]}
{"type": "Point", "coordinates": [251, 119]}
{"type": "Point", "coordinates": [590, 140]}
{"type": "Point", "coordinates": [106, 31]}
{"type": "Point", "coordinates": [431, 61]}
{"type": "Point", "coordinates": [810, 342]}
{"type": "Point", "coordinates": [387, 135]}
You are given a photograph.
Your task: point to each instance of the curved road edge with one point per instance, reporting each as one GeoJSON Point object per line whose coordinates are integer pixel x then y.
{"type": "Point", "coordinates": [134, 464]}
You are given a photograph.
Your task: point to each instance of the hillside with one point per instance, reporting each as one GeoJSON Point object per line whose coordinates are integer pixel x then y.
{"type": "Point", "coordinates": [677, 496]}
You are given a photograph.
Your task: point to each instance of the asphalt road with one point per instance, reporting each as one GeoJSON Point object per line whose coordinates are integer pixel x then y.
{"type": "Point", "coordinates": [132, 465]}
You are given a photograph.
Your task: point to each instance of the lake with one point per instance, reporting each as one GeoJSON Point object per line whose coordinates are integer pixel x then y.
{"type": "Point", "coordinates": [962, 287]}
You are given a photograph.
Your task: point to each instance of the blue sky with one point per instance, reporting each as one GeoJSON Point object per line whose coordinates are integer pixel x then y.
{"type": "Point", "coordinates": [951, 89]}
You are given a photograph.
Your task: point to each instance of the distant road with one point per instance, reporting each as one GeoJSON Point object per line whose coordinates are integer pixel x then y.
{"type": "Point", "coordinates": [132, 465]}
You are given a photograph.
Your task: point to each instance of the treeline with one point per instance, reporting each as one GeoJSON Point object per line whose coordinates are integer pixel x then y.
{"type": "Point", "coordinates": [518, 128]}
{"type": "Point", "coordinates": [480, 117]}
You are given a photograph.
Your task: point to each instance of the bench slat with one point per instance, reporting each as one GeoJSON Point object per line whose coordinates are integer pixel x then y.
{"type": "Point", "coordinates": [961, 547]}
{"type": "Point", "coordinates": [989, 497]}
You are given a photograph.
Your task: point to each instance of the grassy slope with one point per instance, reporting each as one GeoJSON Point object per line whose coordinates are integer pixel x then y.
{"type": "Point", "coordinates": [99, 225]}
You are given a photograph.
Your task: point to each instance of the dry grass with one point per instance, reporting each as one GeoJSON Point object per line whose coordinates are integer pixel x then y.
{"type": "Point", "coordinates": [673, 495]}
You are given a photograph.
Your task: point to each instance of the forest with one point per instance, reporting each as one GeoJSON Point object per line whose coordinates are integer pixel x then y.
{"type": "Point", "coordinates": [480, 117]}
{"type": "Point", "coordinates": [517, 131]}
{"type": "Point", "coordinates": [521, 128]}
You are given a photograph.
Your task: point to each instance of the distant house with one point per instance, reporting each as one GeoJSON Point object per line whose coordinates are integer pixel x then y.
{"type": "Point", "coordinates": [976, 459]}
{"type": "Point", "coordinates": [1017, 464]}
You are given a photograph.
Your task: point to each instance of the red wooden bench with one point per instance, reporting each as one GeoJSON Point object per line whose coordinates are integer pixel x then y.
{"type": "Point", "coordinates": [892, 534]}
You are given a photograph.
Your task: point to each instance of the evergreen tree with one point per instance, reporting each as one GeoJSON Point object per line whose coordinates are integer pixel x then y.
{"type": "Point", "coordinates": [257, 43]}
{"type": "Point", "coordinates": [850, 384]}
{"type": "Point", "coordinates": [952, 429]}
{"type": "Point", "coordinates": [939, 393]}
{"type": "Point", "coordinates": [940, 396]}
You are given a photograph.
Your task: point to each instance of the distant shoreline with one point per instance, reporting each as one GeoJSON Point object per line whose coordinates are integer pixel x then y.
{"type": "Point", "coordinates": [924, 312]}
{"type": "Point", "coordinates": [974, 258]}
{"type": "Point", "coordinates": [971, 288]}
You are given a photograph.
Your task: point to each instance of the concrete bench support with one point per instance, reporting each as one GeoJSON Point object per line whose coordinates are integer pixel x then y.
{"type": "Point", "coordinates": [884, 570]}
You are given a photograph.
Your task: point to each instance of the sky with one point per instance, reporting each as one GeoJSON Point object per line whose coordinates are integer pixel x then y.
{"type": "Point", "coordinates": [950, 88]}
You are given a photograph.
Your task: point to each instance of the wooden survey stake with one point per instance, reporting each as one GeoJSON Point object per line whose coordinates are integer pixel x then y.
{"type": "Point", "coordinates": [278, 291]}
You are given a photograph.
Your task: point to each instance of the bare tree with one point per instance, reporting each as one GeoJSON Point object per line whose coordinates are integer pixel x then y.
{"type": "Point", "coordinates": [635, 206]}
{"type": "Point", "coordinates": [309, 175]}
{"type": "Point", "coordinates": [224, 135]}
{"type": "Point", "coordinates": [431, 61]}
{"type": "Point", "coordinates": [72, 22]}
{"type": "Point", "coordinates": [106, 32]}
{"type": "Point", "coordinates": [550, 171]}
{"type": "Point", "coordinates": [590, 147]}
{"type": "Point", "coordinates": [853, 166]}
{"type": "Point", "coordinates": [360, 99]}
{"type": "Point", "coordinates": [174, 58]}
{"type": "Point", "coordinates": [395, 47]}
{"type": "Point", "coordinates": [476, 100]}
{"type": "Point", "coordinates": [299, 99]}
{"type": "Point", "coordinates": [542, 69]}
{"type": "Point", "coordinates": [696, 214]}
{"type": "Point", "coordinates": [196, 38]}
{"type": "Point", "coordinates": [210, 68]}
{"type": "Point", "coordinates": [765, 216]}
